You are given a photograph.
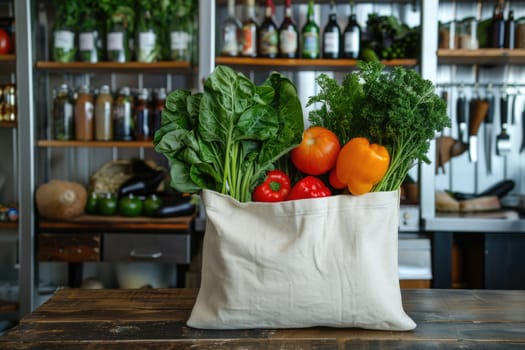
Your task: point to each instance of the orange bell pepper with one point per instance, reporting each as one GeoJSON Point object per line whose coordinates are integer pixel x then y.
{"type": "Point", "coordinates": [360, 165]}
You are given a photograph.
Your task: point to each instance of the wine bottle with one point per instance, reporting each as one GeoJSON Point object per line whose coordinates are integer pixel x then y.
{"type": "Point", "coordinates": [510, 31]}
{"type": "Point", "coordinates": [288, 36]}
{"type": "Point", "coordinates": [498, 27]}
{"type": "Point", "coordinates": [352, 36]}
{"type": "Point", "coordinates": [268, 33]}
{"type": "Point", "coordinates": [331, 35]}
{"type": "Point", "coordinates": [311, 47]}
{"type": "Point", "coordinates": [249, 31]}
{"type": "Point", "coordinates": [231, 33]}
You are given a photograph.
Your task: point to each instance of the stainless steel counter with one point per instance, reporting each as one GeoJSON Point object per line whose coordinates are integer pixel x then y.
{"type": "Point", "coordinates": [509, 222]}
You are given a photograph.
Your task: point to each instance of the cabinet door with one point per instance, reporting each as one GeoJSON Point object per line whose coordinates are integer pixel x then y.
{"type": "Point", "coordinates": [504, 261]}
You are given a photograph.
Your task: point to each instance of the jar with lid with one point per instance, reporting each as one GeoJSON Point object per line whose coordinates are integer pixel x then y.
{"type": "Point", "coordinates": [89, 39]}
{"type": "Point", "coordinates": [64, 45]}
{"type": "Point", "coordinates": [117, 41]}
{"type": "Point", "coordinates": [103, 115]}
{"type": "Point", "coordinates": [143, 118]}
{"type": "Point", "coordinates": [181, 33]}
{"type": "Point", "coordinates": [520, 33]}
{"type": "Point", "coordinates": [467, 34]}
{"type": "Point", "coordinates": [63, 114]}
{"type": "Point", "coordinates": [123, 125]}
{"type": "Point", "coordinates": [445, 35]}
{"type": "Point", "coordinates": [160, 101]}
{"type": "Point", "coordinates": [9, 102]}
{"type": "Point", "coordinates": [84, 123]}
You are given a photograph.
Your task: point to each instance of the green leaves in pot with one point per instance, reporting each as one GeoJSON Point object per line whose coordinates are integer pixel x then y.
{"type": "Point", "coordinates": [228, 136]}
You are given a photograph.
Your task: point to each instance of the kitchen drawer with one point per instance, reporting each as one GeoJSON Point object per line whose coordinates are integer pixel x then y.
{"type": "Point", "coordinates": [68, 247]}
{"type": "Point", "coordinates": [164, 248]}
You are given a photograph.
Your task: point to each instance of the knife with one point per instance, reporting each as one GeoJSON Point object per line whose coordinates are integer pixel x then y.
{"type": "Point", "coordinates": [489, 133]}
{"type": "Point", "coordinates": [461, 115]}
{"type": "Point", "coordinates": [478, 111]}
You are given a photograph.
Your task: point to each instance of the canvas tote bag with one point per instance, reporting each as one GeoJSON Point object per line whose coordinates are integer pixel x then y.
{"type": "Point", "coordinates": [328, 261]}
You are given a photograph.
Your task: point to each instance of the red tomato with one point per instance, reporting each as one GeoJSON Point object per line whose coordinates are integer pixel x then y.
{"type": "Point", "coordinates": [317, 152]}
{"type": "Point", "coordinates": [6, 44]}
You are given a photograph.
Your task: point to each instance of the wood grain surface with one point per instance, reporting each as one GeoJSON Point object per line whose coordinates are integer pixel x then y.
{"type": "Point", "coordinates": [155, 319]}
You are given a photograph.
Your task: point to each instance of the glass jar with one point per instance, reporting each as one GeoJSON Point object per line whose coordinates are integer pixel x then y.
{"type": "Point", "coordinates": [63, 118]}
{"type": "Point", "coordinates": [89, 40]}
{"type": "Point", "coordinates": [117, 41]}
{"type": "Point", "coordinates": [9, 103]}
{"type": "Point", "coordinates": [467, 34]}
{"type": "Point", "coordinates": [143, 117]}
{"type": "Point", "coordinates": [64, 45]}
{"type": "Point", "coordinates": [445, 35]}
{"type": "Point", "coordinates": [520, 33]}
{"type": "Point", "coordinates": [181, 39]}
{"type": "Point", "coordinates": [123, 125]}
{"type": "Point", "coordinates": [84, 122]}
{"type": "Point", "coordinates": [103, 115]}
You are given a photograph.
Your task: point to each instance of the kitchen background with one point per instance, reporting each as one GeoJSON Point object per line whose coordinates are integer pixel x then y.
{"type": "Point", "coordinates": [469, 78]}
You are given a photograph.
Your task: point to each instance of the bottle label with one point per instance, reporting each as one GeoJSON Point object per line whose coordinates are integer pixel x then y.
{"type": "Point", "coordinates": [115, 41]}
{"type": "Point", "coordinates": [311, 44]}
{"type": "Point", "coordinates": [230, 44]}
{"type": "Point", "coordinates": [269, 42]}
{"type": "Point", "coordinates": [351, 42]}
{"type": "Point", "coordinates": [147, 41]}
{"type": "Point", "coordinates": [64, 39]}
{"type": "Point", "coordinates": [331, 42]}
{"type": "Point", "coordinates": [288, 40]}
{"type": "Point", "coordinates": [86, 41]}
{"type": "Point", "coordinates": [249, 47]}
{"type": "Point", "coordinates": [179, 40]}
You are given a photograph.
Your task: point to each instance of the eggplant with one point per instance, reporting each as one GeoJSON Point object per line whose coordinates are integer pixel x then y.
{"type": "Point", "coordinates": [179, 207]}
{"type": "Point", "coordinates": [144, 181]}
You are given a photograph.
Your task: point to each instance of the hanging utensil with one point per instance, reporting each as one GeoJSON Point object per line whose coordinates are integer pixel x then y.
{"type": "Point", "coordinates": [461, 117]}
{"type": "Point", "coordinates": [503, 138]}
{"type": "Point", "coordinates": [522, 147]}
{"type": "Point", "coordinates": [489, 132]}
{"type": "Point", "coordinates": [478, 112]}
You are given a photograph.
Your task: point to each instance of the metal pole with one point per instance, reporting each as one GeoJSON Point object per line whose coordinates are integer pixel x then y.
{"type": "Point", "coordinates": [26, 154]}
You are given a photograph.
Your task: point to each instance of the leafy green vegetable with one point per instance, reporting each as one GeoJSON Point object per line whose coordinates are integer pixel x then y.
{"type": "Point", "coordinates": [397, 109]}
{"type": "Point", "coordinates": [228, 136]}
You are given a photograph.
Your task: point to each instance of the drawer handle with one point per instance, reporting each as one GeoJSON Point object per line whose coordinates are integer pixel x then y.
{"type": "Point", "coordinates": [145, 255]}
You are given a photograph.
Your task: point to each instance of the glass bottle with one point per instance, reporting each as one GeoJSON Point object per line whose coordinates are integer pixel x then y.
{"type": "Point", "coordinates": [181, 37]}
{"type": "Point", "coordinates": [103, 115]}
{"type": "Point", "coordinates": [64, 45]}
{"type": "Point", "coordinates": [146, 39]}
{"type": "Point", "coordinates": [311, 47]}
{"type": "Point", "coordinates": [117, 43]}
{"type": "Point", "coordinates": [160, 101]}
{"type": "Point", "coordinates": [331, 35]}
{"type": "Point", "coordinates": [89, 40]}
{"type": "Point", "coordinates": [288, 36]}
{"type": "Point", "coordinates": [231, 33]}
{"type": "Point", "coordinates": [143, 117]}
{"type": "Point", "coordinates": [352, 36]}
{"type": "Point", "coordinates": [9, 111]}
{"type": "Point", "coordinates": [123, 125]}
{"type": "Point", "coordinates": [510, 31]}
{"type": "Point", "coordinates": [498, 27]}
{"type": "Point", "coordinates": [249, 31]}
{"type": "Point", "coordinates": [84, 123]}
{"type": "Point", "coordinates": [63, 117]}
{"type": "Point", "coordinates": [268, 33]}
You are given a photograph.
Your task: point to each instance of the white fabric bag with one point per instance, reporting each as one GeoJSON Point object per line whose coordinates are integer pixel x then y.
{"type": "Point", "coordinates": [328, 261]}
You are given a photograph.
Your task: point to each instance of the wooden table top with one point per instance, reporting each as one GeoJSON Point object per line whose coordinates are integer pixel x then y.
{"type": "Point", "coordinates": [155, 319]}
